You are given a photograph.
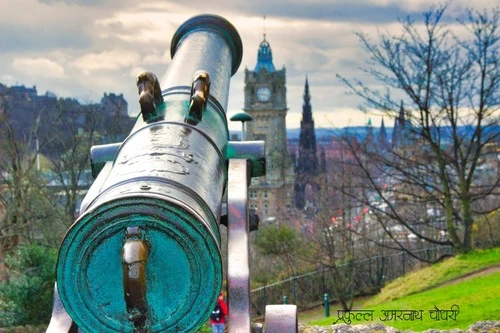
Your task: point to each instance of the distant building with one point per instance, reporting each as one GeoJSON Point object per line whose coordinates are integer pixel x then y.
{"type": "Point", "coordinates": [369, 138]}
{"type": "Point", "coordinates": [309, 170]}
{"type": "Point", "coordinates": [23, 92]}
{"type": "Point", "coordinates": [265, 101]}
{"type": "Point", "coordinates": [63, 116]}
{"type": "Point", "coordinates": [382, 140]}
{"type": "Point", "coordinates": [114, 104]}
{"type": "Point", "coordinates": [401, 133]}
{"type": "Point", "coordinates": [116, 118]}
{"type": "Point", "coordinates": [307, 161]}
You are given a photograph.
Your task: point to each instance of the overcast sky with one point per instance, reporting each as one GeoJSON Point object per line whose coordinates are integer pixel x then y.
{"type": "Point", "coordinates": [83, 48]}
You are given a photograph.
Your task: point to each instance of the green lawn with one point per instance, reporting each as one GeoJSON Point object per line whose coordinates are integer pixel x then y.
{"type": "Point", "coordinates": [437, 274]}
{"type": "Point", "coordinates": [478, 298]}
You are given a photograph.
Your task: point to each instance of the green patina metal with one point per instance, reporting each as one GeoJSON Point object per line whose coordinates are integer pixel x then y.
{"type": "Point", "coordinates": [183, 268]}
{"type": "Point", "coordinates": [242, 116]}
{"type": "Point", "coordinates": [160, 113]}
{"type": "Point", "coordinates": [258, 162]}
{"type": "Point", "coordinates": [145, 254]}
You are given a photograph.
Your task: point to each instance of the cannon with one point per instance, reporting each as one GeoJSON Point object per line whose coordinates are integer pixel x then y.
{"type": "Point", "coordinates": [144, 254]}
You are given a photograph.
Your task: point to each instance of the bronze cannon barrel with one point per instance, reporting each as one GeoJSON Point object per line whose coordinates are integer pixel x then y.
{"type": "Point", "coordinates": [144, 255]}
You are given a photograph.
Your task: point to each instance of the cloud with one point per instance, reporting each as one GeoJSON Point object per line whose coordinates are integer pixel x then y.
{"type": "Point", "coordinates": [339, 10]}
{"type": "Point", "coordinates": [70, 2]}
{"type": "Point", "coordinates": [156, 58]}
{"type": "Point", "coordinates": [136, 27]}
{"type": "Point", "coordinates": [106, 61]}
{"type": "Point", "coordinates": [88, 47]}
{"type": "Point", "coordinates": [89, 3]}
{"type": "Point", "coordinates": [424, 5]}
{"type": "Point", "coordinates": [26, 25]}
{"type": "Point", "coordinates": [38, 67]}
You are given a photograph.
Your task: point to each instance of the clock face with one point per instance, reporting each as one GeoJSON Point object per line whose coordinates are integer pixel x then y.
{"type": "Point", "coordinates": [263, 94]}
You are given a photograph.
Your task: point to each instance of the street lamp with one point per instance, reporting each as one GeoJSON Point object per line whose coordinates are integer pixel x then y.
{"type": "Point", "coordinates": [243, 117]}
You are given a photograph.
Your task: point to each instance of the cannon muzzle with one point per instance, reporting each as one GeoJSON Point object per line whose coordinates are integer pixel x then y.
{"type": "Point", "coordinates": [144, 254]}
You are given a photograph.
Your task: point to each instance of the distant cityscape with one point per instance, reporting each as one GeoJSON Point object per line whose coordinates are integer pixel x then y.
{"type": "Point", "coordinates": [26, 110]}
{"type": "Point", "coordinates": [115, 106]}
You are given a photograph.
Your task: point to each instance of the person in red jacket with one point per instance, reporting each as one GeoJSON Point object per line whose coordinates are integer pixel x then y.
{"type": "Point", "coordinates": [218, 315]}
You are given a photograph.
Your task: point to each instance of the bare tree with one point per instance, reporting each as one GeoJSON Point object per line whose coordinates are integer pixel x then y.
{"type": "Point", "coordinates": [44, 162]}
{"type": "Point", "coordinates": [25, 206]}
{"type": "Point", "coordinates": [445, 87]}
{"type": "Point", "coordinates": [79, 127]}
{"type": "Point", "coordinates": [333, 237]}
{"type": "Point", "coordinates": [341, 230]}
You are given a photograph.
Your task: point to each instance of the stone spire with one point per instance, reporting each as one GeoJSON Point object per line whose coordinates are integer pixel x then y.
{"type": "Point", "coordinates": [308, 160]}
{"type": "Point", "coordinates": [382, 136]}
{"type": "Point", "coordinates": [308, 168]}
{"type": "Point", "coordinates": [399, 127]}
{"type": "Point", "coordinates": [307, 100]}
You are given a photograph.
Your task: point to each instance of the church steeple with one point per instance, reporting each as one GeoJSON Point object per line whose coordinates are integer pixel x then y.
{"type": "Point", "coordinates": [265, 57]}
{"type": "Point", "coordinates": [369, 132]}
{"type": "Point", "coordinates": [382, 136]}
{"type": "Point", "coordinates": [399, 131]}
{"type": "Point", "coordinates": [401, 117]}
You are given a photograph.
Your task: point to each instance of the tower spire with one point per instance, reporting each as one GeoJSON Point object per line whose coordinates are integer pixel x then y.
{"type": "Point", "coordinates": [382, 136]}
{"type": "Point", "coordinates": [264, 27]}
{"type": "Point", "coordinates": [308, 161]}
{"type": "Point", "coordinates": [307, 96]}
{"type": "Point", "coordinates": [369, 132]}
{"type": "Point", "coordinates": [308, 166]}
{"type": "Point", "coordinates": [399, 127]}
{"type": "Point", "coordinates": [265, 57]}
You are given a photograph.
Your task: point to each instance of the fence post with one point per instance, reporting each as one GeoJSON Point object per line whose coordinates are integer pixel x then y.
{"type": "Point", "coordinates": [403, 259]}
{"type": "Point", "coordinates": [265, 301]}
{"type": "Point", "coordinates": [327, 305]}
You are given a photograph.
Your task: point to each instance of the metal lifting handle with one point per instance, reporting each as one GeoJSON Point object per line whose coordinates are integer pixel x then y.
{"type": "Point", "coordinates": [134, 259]}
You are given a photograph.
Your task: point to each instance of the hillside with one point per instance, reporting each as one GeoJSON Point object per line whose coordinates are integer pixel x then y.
{"type": "Point", "coordinates": [467, 287]}
{"type": "Point", "coordinates": [438, 274]}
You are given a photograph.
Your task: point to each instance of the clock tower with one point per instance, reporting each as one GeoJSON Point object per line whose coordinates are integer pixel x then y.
{"type": "Point", "coordinates": [265, 101]}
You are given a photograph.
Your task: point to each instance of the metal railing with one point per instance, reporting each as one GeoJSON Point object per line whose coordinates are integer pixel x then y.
{"type": "Point", "coordinates": [366, 276]}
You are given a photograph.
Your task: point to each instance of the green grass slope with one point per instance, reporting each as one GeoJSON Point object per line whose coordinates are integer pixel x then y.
{"type": "Point", "coordinates": [477, 297]}
{"type": "Point", "coordinates": [437, 274]}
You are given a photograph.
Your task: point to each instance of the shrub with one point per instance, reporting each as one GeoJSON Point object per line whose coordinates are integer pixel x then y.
{"type": "Point", "coordinates": [26, 295]}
